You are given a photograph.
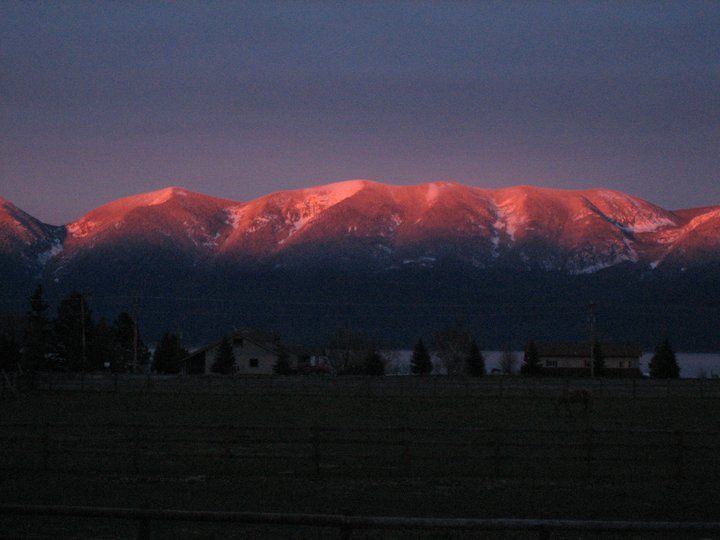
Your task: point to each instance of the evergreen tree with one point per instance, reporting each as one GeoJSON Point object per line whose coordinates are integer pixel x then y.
{"type": "Point", "coordinates": [169, 354]}
{"type": "Point", "coordinates": [663, 364]}
{"type": "Point", "coordinates": [36, 342]}
{"type": "Point", "coordinates": [531, 363]}
{"type": "Point", "coordinates": [73, 332]}
{"type": "Point", "coordinates": [599, 359]}
{"type": "Point", "coordinates": [421, 363]}
{"type": "Point", "coordinates": [9, 352]}
{"type": "Point", "coordinates": [475, 363]}
{"type": "Point", "coordinates": [127, 337]}
{"type": "Point", "coordinates": [101, 349]}
{"type": "Point", "coordinates": [282, 366]}
{"type": "Point", "coordinates": [224, 358]}
{"type": "Point", "coordinates": [374, 364]}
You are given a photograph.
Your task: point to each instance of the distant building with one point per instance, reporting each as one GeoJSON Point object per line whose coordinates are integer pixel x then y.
{"type": "Point", "coordinates": [255, 354]}
{"type": "Point", "coordinates": [574, 359]}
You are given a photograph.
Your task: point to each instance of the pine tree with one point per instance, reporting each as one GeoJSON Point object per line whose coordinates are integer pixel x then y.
{"type": "Point", "coordinates": [9, 352]}
{"type": "Point", "coordinates": [73, 330]}
{"type": "Point", "coordinates": [421, 363]}
{"type": "Point", "coordinates": [102, 350]}
{"type": "Point", "coordinates": [224, 358]}
{"type": "Point", "coordinates": [169, 354]}
{"type": "Point", "coordinates": [663, 364]}
{"type": "Point", "coordinates": [282, 365]}
{"type": "Point", "coordinates": [36, 342]}
{"type": "Point", "coordinates": [374, 364]}
{"type": "Point", "coordinates": [475, 364]}
{"type": "Point", "coordinates": [531, 363]}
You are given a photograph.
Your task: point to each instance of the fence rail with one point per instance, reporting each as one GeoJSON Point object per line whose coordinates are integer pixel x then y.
{"type": "Point", "coordinates": [346, 524]}
{"type": "Point", "coordinates": [390, 386]}
{"type": "Point", "coordinates": [400, 451]}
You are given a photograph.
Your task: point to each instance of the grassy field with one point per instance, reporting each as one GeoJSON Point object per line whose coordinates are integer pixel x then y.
{"type": "Point", "coordinates": [470, 456]}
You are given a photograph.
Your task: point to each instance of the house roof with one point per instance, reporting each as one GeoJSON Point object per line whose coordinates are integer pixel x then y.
{"type": "Point", "coordinates": [582, 349]}
{"type": "Point", "coordinates": [264, 341]}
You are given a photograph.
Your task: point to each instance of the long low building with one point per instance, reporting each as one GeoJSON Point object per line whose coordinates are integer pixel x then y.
{"type": "Point", "coordinates": [574, 358]}
{"type": "Point", "coordinates": [254, 354]}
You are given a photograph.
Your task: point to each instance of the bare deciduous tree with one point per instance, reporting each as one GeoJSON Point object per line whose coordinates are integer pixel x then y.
{"type": "Point", "coordinates": [508, 361]}
{"type": "Point", "coordinates": [452, 346]}
{"type": "Point", "coordinates": [346, 351]}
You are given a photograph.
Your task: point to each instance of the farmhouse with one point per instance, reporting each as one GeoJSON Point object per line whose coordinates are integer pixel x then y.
{"type": "Point", "coordinates": [255, 354]}
{"type": "Point", "coordinates": [619, 359]}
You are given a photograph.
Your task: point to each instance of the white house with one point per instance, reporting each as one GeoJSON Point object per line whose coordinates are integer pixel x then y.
{"type": "Point", "coordinates": [619, 359]}
{"type": "Point", "coordinates": [254, 353]}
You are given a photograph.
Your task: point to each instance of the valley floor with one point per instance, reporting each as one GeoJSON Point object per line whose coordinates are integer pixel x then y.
{"type": "Point", "coordinates": [356, 452]}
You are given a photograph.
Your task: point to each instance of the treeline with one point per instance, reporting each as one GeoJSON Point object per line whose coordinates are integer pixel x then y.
{"type": "Point", "coordinates": [72, 340]}
{"type": "Point", "coordinates": [351, 353]}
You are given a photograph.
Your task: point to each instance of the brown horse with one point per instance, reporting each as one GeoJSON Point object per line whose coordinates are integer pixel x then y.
{"type": "Point", "coordinates": [569, 398]}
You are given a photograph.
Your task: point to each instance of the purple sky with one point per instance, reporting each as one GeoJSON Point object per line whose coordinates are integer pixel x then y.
{"type": "Point", "coordinates": [101, 100]}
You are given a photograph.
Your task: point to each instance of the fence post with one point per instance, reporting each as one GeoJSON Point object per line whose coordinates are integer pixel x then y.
{"type": "Point", "coordinates": [405, 455]}
{"type": "Point", "coordinates": [144, 530]}
{"type": "Point", "coordinates": [136, 449]}
{"type": "Point", "coordinates": [679, 454]}
{"type": "Point", "coordinates": [316, 449]}
{"type": "Point", "coordinates": [589, 453]}
{"type": "Point", "coordinates": [46, 447]}
{"type": "Point", "coordinates": [497, 454]}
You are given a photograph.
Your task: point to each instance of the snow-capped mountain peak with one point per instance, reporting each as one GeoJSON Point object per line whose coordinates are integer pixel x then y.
{"type": "Point", "coordinates": [577, 231]}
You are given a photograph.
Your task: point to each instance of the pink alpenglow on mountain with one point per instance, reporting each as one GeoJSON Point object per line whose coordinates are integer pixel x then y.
{"type": "Point", "coordinates": [577, 232]}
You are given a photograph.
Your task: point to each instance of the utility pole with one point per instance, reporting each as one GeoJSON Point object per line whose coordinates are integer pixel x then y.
{"type": "Point", "coordinates": [82, 327]}
{"type": "Point", "coordinates": [592, 339]}
{"type": "Point", "coordinates": [135, 366]}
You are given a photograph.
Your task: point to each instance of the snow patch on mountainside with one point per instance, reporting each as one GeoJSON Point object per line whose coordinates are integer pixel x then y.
{"type": "Point", "coordinates": [233, 216]}
{"type": "Point", "coordinates": [432, 193]}
{"type": "Point", "coordinates": [315, 201]}
{"type": "Point", "coordinates": [55, 249]}
{"type": "Point", "coordinates": [508, 219]}
{"type": "Point", "coordinates": [81, 228]}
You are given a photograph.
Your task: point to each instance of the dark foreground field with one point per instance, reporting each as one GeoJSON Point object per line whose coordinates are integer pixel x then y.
{"type": "Point", "coordinates": [456, 450]}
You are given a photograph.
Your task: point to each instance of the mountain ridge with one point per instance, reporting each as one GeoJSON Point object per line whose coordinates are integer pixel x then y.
{"type": "Point", "coordinates": [396, 261]}
{"type": "Point", "coordinates": [577, 231]}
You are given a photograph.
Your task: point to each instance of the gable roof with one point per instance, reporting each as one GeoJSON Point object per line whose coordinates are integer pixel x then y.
{"type": "Point", "coordinates": [264, 341]}
{"type": "Point", "coordinates": [581, 349]}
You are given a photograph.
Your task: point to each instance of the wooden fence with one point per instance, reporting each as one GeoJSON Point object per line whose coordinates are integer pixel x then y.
{"type": "Point", "coordinates": [347, 525]}
{"type": "Point", "coordinates": [247, 451]}
{"type": "Point", "coordinates": [389, 386]}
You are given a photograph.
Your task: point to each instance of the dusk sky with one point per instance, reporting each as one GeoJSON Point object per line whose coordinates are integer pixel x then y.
{"type": "Point", "coordinates": [102, 100]}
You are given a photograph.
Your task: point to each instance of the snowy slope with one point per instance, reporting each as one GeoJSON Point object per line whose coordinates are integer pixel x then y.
{"type": "Point", "coordinates": [576, 231]}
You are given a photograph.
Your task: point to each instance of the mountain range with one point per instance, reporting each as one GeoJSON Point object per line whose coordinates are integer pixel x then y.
{"type": "Point", "coordinates": [341, 252]}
